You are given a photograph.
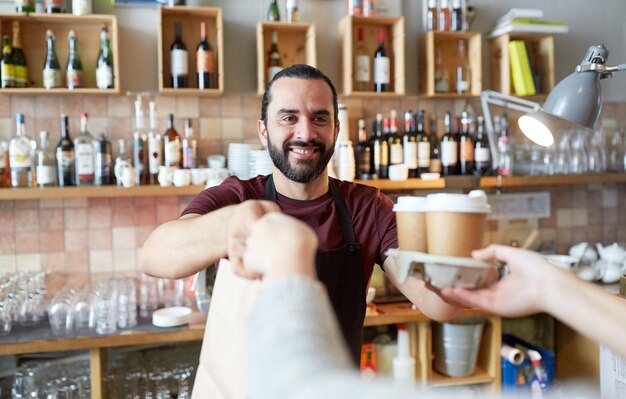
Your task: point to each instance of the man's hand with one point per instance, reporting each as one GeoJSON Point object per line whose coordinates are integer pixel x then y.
{"type": "Point", "coordinates": [278, 245]}
{"type": "Point", "coordinates": [520, 293]}
{"type": "Point", "coordinates": [242, 217]}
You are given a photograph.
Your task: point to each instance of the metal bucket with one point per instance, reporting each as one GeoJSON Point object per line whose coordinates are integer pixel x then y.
{"type": "Point", "coordinates": [456, 345]}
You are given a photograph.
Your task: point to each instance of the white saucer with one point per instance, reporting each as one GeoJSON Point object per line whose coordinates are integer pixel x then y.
{"type": "Point", "coordinates": [440, 271]}
{"type": "Point", "coordinates": [171, 317]}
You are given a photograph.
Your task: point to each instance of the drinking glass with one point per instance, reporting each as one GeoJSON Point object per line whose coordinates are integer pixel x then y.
{"type": "Point", "coordinates": [616, 151]}
{"type": "Point", "coordinates": [106, 307]}
{"type": "Point", "coordinates": [579, 161]}
{"type": "Point", "coordinates": [85, 308]}
{"type": "Point", "coordinates": [564, 155]}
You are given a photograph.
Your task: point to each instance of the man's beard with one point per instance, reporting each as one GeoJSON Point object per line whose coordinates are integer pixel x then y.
{"type": "Point", "coordinates": [307, 170]}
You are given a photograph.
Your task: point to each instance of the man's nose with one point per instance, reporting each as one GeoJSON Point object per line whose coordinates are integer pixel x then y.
{"type": "Point", "coordinates": [305, 130]}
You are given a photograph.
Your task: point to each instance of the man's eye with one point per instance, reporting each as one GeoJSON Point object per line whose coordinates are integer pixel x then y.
{"type": "Point", "coordinates": [288, 119]}
{"type": "Point", "coordinates": [320, 120]}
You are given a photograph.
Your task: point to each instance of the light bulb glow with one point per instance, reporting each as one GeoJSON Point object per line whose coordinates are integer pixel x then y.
{"type": "Point", "coordinates": [536, 130]}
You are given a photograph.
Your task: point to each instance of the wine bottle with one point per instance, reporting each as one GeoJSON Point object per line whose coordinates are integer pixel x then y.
{"type": "Point", "coordinates": [84, 149]}
{"type": "Point", "coordinates": [140, 147]}
{"type": "Point", "coordinates": [74, 70]}
{"type": "Point", "coordinates": [445, 19]}
{"type": "Point", "coordinates": [172, 145]}
{"type": "Point", "coordinates": [190, 147]}
{"type": "Point", "coordinates": [205, 61]}
{"type": "Point", "coordinates": [20, 70]}
{"type": "Point", "coordinates": [103, 156]}
{"type": "Point", "coordinates": [431, 16]}
{"type": "Point", "coordinates": [45, 165]}
{"type": "Point", "coordinates": [482, 152]}
{"type": "Point", "coordinates": [435, 160]}
{"type": "Point", "coordinates": [462, 70]}
{"type": "Point", "coordinates": [155, 146]}
{"type": "Point", "coordinates": [104, 69]}
{"type": "Point", "coordinates": [457, 18]}
{"type": "Point", "coordinates": [291, 8]}
{"type": "Point", "coordinates": [53, 6]}
{"type": "Point", "coordinates": [179, 69]}
{"type": "Point", "coordinates": [5, 167]}
{"type": "Point", "coordinates": [24, 6]}
{"type": "Point", "coordinates": [466, 146]}
{"type": "Point", "coordinates": [449, 148]}
{"type": "Point", "coordinates": [362, 79]}
{"type": "Point", "coordinates": [442, 78]}
{"type": "Point", "coordinates": [409, 143]}
{"type": "Point", "coordinates": [65, 155]}
{"type": "Point", "coordinates": [380, 150]}
{"type": "Point", "coordinates": [394, 140]}
{"type": "Point", "coordinates": [21, 155]}
{"type": "Point", "coordinates": [51, 69]}
{"type": "Point", "coordinates": [423, 145]}
{"type": "Point", "coordinates": [122, 159]}
{"type": "Point", "coordinates": [7, 71]}
{"type": "Point", "coordinates": [381, 65]}
{"type": "Point", "coordinates": [362, 153]}
{"type": "Point", "coordinates": [273, 12]}
{"type": "Point", "coordinates": [274, 64]}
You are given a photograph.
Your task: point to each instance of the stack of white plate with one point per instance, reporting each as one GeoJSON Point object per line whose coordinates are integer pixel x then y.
{"type": "Point", "coordinates": [260, 162]}
{"type": "Point", "coordinates": [171, 317]}
{"type": "Point", "coordinates": [239, 159]}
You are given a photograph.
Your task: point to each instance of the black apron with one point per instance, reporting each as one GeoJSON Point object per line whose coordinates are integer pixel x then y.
{"type": "Point", "coordinates": [341, 271]}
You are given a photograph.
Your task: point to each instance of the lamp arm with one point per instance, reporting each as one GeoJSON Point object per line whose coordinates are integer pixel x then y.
{"type": "Point", "coordinates": [488, 97]}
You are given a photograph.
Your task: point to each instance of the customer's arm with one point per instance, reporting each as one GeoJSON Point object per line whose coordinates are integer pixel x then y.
{"type": "Point", "coordinates": [182, 247]}
{"type": "Point", "coordinates": [534, 285]}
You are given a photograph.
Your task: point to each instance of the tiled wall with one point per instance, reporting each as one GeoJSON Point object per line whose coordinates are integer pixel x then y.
{"type": "Point", "coordinates": [104, 235]}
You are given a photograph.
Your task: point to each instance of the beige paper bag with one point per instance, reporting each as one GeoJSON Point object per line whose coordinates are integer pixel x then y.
{"type": "Point", "coordinates": [221, 370]}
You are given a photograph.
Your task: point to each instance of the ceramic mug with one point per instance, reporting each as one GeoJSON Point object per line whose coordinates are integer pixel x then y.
{"type": "Point", "coordinates": [181, 177]}
{"type": "Point", "coordinates": [216, 161]}
{"type": "Point", "coordinates": [165, 175]}
{"type": "Point", "coordinates": [124, 173]}
{"type": "Point", "coordinates": [198, 176]}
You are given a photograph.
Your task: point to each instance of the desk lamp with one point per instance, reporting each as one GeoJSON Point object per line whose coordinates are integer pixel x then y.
{"type": "Point", "coordinates": [577, 99]}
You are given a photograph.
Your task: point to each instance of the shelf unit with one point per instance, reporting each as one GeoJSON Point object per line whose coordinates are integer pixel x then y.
{"type": "Point", "coordinates": [447, 44]}
{"type": "Point", "coordinates": [296, 44]}
{"type": "Point", "coordinates": [541, 53]}
{"type": "Point", "coordinates": [190, 18]}
{"type": "Point", "coordinates": [394, 43]}
{"type": "Point", "coordinates": [33, 28]}
{"type": "Point", "coordinates": [463, 182]}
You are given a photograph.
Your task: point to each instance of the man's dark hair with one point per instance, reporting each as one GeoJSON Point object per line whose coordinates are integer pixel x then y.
{"type": "Point", "coordinates": [298, 71]}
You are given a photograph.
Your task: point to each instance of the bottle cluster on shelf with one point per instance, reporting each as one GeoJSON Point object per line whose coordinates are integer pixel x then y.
{"type": "Point", "coordinates": [79, 7]}
{"type": "Point", "coordinates": [441, 18]}
{"type": "Point", "coordinates": [88, 161]}
{"type": "Point", "coordinates": [14, 70]}
{"type": "Point", "coordinates": [372, 69]}
{"type": "Point", "coordinates": [461, 81]}
{"type": "Point", "coordinates": [291, 11]}
{"type": "Point", "coordinates": [462, 150]}
{"type": "Point", "coordinates": [365, 8]}
{"type": "Point", "coordinates": [206, 66]}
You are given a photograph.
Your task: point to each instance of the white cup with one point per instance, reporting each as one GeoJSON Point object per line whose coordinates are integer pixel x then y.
{"type": "Point", "coordinates": [216, 161]}
{"type": "Point", "coordinates": [165, 175]}
{"type": "Point", "coordinates": [198, 176]}
{"type": "Point", "coordinates": [181, 177]}
{"type": "Point", "coordinates": [125, 173]}
{"type": "Point", "coordinates": [398, 172]}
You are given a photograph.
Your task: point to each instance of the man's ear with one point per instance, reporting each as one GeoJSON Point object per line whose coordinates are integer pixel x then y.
{"type": "Point", "coordinates": [262, 132]}
{"type": "Point", "coordinates": [337, 128]}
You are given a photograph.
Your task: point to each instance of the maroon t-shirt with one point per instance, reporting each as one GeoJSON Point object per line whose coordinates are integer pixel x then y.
{"type": "Point", "coordinates": [373, 219]}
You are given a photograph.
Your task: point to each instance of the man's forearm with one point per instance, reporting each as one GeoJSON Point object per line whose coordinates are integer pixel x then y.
{"type": "Point", "coordinates": [180, 248]}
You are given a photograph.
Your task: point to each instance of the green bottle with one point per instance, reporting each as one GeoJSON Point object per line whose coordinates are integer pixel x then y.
{"type": "Point", "coordinates": [74, 70]}
{"type": "Point", "coordinates": [24, 6]}
{"type": "Point", "coordinates": [51, 68]}
{"type": "Point", "coordinates": [6, 64]}
{"type": "Point", "coordinates": [273, 13]}
{"type": "Point", "coordinates": [20, 70]}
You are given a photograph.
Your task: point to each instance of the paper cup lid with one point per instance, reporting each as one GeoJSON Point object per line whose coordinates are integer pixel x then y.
{"type": "Point", "coordinates": [474, 202]}
{"type": "Point", "coordinates": [410, 204]}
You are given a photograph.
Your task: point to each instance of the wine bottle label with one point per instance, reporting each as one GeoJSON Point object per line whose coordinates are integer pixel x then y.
{"type": "Point", "coordinates": [20, 159]}
{"type": "Point", "coordinates": [435, 165]}
{"type": "Point", "coordinates": [172, 153]}
{"type": "Point", "coordinates": [45, 174]}
{"type": "Point", "coordinates": [84, 160]}
{"type": "Point", "coordinates": [462, 86]}
{"type": "Point", "coordinates": [449, 153]}
{"type": "Point", "coordinates": [441, 85]}
{"type": "Point", "coordinates": [65, 160]}
{"type": "Point", "coordinates": [81, 7]}
{"type": "Point", "coordinates": [21, 75]}
{"type": "Point", "coordinates": [205, 61]}
{"type": "Point", "coordinates": [381, 70]}
{"type": "Point", "coordinates": [104, 76]}
{"type": "Point", "coordinates": [8, 75]}
{"type": "Point", "coordinates": [482, 155]}
{"type": "Point", "coordinates": [410, 155]}
{"type": "Point", "coordinates": [74, 78]}
{"type": "Point", "coordinates": [273, 70]}
{"type": "Point", "coordinates": [23, 3]}
{"type": "Point", "coordinates": [154, 148]}
{"type": "Point", "coordinates": [178, 63]}
{"type": "Point", "coordinates": [395, 154]}
{"type": "Point", "coordinates": [53, 3]}
{"type": "Point", "coordinates": [423, 154]}
{"type": "Point", "coordinates": [467, 151]}
{"type": "Point", "coordinates": [362, 68]}
{"type": "Point", "coordinates": [51, 78]}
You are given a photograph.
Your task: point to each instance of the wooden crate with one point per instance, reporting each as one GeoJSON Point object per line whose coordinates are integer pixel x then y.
{"type": "Point", "coordinates": [190, 18]}
{"type": "Point", "coordinates": [33, 29]}
{"type": "Point", "coordinates": [541, 48]}
{"type": "Point", "coordinates": [296, 44]}
{"type": "Point", "coordinates": [447, 44]}
{"type": "Point", "coordinates": [394, 43]}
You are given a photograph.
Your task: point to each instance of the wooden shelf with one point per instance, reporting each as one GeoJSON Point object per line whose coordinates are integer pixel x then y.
{"type": "Point", "coordinates": [403, 312]}
{"type": "Point", "coordinates": [530, 181]}
{"type": "Point", "coordinates": [191, 92]}
{"type": "Point", "coordinates": [410, 184]}
{"type": "Point", "coordinates": [480, 376]}
{"type": "Point", "coordinates": [95, 192]}
{"type": "Point", "coordinates": [33, 28]}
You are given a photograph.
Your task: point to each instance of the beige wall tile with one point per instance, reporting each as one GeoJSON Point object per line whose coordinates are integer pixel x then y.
{"type": "Point", "coordinates": [26, 204]}
{"type": "Point", "coordinates": [47, 107]}
{"type": "Point", "coordinates": [124, 216]}
{"type": "Point", "coordinates": [51, 203]}
{"type": "Point", "coordinates": [8, 264]}
{"type": "Point", "coordinates": [50, 125]}
{"type": "Point", "coordinates": [120, 107]}
{"type": "Point", "coordinates": [7, 244]}
{"type": "Point", "coordinates": [124, 260]}
{"type": "Point", "coordinates": [23, 104]}
{"type": "Point", "coordinates": [146, 215]}
{"type": "Point", "coordinates": [27, 242]}
{"type": "Point", "coordinates": [610, 216]}
{"type": "Point", "coordinates": [232, 128]}
{"type": "Point", "coordinates": [27, 220]}
{"type": "Point", "coordinates": [77, 262]}
{"type": "Point", "coordinates": [231, 106]}
{"type": "Point", "coordinates": [579, 217]}
{"type": "Point", "coordinates": [252, 107]}
{"type": "Point", "coordinates": [7, 221]}
{"type": "Point", "coordinates": [51, 219]}
{"type": "Point", "coordinates": [210, 106]}
{"type": "Point", "coordinates": [5, 105]}
{"type": "Point", "coordinates": [75, 218]}
{"type": "Point", "coordinates": [210, 128]}
{"type": "Point", "coordinates": [100, 217]}
{"type": "Point", "coordinates": [165, 105]}
{"type": "Point", "coordinates": [96, 106]}
{"type": "Point", "coordinates": [187, 107]}
{"type": "Point", "coordinates": [28, 262]}
{"type": "Point", "coordinates": [53, 261]}
{"type": "Point", "coordinates": [52, 241]}
{"type": "Point", "coordinates": [167, 212]}
{"type": "Point", "coordinates": [71, 105]}
{"type": "Point", "coordinates": [75, 203]}
{"type": "Point", "coordinates": [76, 240]}
{"type": "Point", "coordinates": [142, 233]}
{"type": "Point", "coordinates": [101, 238]}
{"type": "Point", "coordinates": [609, 198]}
{"type": "Point", "coordinates": [6, 129]}
{"type": "Point", "coordinates": [124, 238]}
{"type": "Point", "coordinates": [564, 218]}
{"type": "Point", "coordinates": [100, 261]}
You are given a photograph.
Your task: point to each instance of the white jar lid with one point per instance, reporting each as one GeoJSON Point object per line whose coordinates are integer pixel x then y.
{"type": "Point", "coordinates": [474, 202]}
{"type": "Point", "coordinates": [410, 204]}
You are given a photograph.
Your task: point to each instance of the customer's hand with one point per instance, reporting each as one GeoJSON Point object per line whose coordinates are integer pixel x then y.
{"type": "Point", "coordinates": [242, 217]}
{"type": "Point", "coordinates": [278, 245]}
{"type": "Point", "coordinates": [520, 293]}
